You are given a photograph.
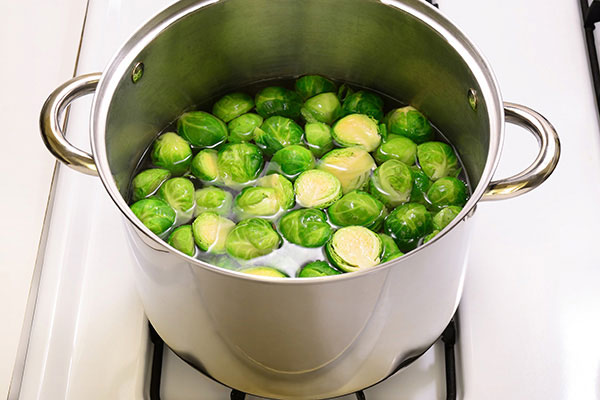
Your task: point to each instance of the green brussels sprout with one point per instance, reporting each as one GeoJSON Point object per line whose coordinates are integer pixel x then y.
{"type": "Point", "coordinates": [204, 165]}
{"type": "Point", "coordinates": [430, 236]}
{"type": "Point", "coordinates": [448, 191]}
{"type": "Point", "coordinates": [157, 215]}
{"type": "Point", "coordinates": [357, 208]}
{"type": "Point", "coordinates": [276, 133]}
{"type": "Point", "coordinates": [324, 107]}
{"type": "Point", "coordinates": [312, 85]}
{"type": "Point", "coordinates": [232, 105]}
{"type": "Point", "coordinates": [398, 148]}
{"type": "Point", "coordinates": [213, 199]}
{"type": "Point", "coordinates": [407, 224]}
{"type": "Point", "coordinates": [383, 132]}
{"type": "Point", "coordinates": [354, 247]}
{"type": "Point", "coordinates": [251, 238]}
{"type": "Point", "coordinates": [317, 189]}
{"type": "Point", "coordinates": [438, 160]}
{"type": "Point", "coordinates": [344, 91]}
{"type": "Point", "coordinates": [182, 239]}
{"type": "Point", "coordinates": [392, 183]}
{"type": "Point", "coordinates": [170, 151]}
{"type": "Point", "coordinates": [421, 185]}
{"type": "Point", "coordinates": [409, 122]}
{"type": "Point", "coordinates": [264, 271]}
{"type": "Point", "coordinates": [363, 102]}
{"type": "Point", "coordinates": [275, 100]}
{"type": "Point", "coordinates": [317, 269]}
{"type": "Point", "coordinates": [256, 201]}
{"type": "Point", "coordinates": [147, 182]}
{"type": "Point", "coordinates": [284, 190]}
{"type": "Point", "coordinates": [202, 129]}
{"type": "Point", "coordinates": [351, 165]}
{"type": "Point", "coordinates": [445, 216]}
{"type": "Point", "coordinates": [318, 138]}
{"type": "Point", "coordinates": [179, 194]}
{"type": "Point", "coordinates": [293, 160]}
{"type": "Point", "coordinates": [211, 231]}
{"type": "Point", "coordinates": [239, 163]}
{"type": "Point", "coordinates": [241, 129]}
{"type": "Point", "coordinates": [357, 130]}
{"type": "Point", "coordinates": [306, 227]}
{"type": "Point", "coordinates": [390, 248]}
{"type": "Point", "coordinates": [223, 261]}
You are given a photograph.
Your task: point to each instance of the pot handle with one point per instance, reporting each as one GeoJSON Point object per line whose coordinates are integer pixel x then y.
{"type": "Point", "coordinates": [542, 166]}
{"type": "Point", "coordinates": [50, 128]}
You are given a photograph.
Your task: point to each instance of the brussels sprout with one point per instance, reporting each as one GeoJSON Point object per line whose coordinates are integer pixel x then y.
{"type": "Point", "coordinates": [172, 152]}
{"type": "Point", "coordinates": [352, 166]}
{"type": "Point", "coordinates": [344, 91]}
{"type": "Point", "coordinates": [317, 189]}
{"type": "Point", "coordinates": [306, 227]}
{"type": "Point", "coordinates": [430, 236]}
{"type": "Point", "coordinates": [398, 148]}
{"type": "Point", "coordinates": [407, 224]}
{"type": "Point", "coordinates": [179, 194]}
{"type": "Point", "coordinates": [318, 138]}
{"type": "Point", "coordinates": [317, 269]}
{"type": "Point", "coordinates": [241, 129]}
{"type": "Point", "coordinates": [213, 199]}
{"type": "Point", "coordinates": [239, 163]}
{"type": "Point", "coordinates": [391, 183]}
{"type": "Point", "coordinates": [390, 248]}
{"type": "Point", "coordinates": [437, 160]}
{"type": "Point", "coordinates": [448, 191]}
{"type": "Point", "coordinates": [264, 271]}
{"type": "Point", "coordinates": [324, 107]}
{"type": "Point", "coordinates": [409, 122]}
{"type": "Point", "coordinates": [284, 190]}
{"type": "Point", "coordinates": [256, 201]}
{"type": "Point", "coordinates": [353, 248]}
{"type": "Point", "coordinates": [253, 237]}
{"type": "Point", "coordinates": [157, 215]}
{"type": "Point", "coordinates": [275, 100]}
{"type": "Point", "coordinates": [182, 239]}
{"type": "Point", "coordinates": [421, 185]}
{"type": "Point", "coordinates": [223, 261]}
{"type": "Point", "coordinates": [312, 85]}
{"type": "Point", "coordinates": [202, 129]}
{"type": "Point", "coordinates": [363, 102]}
{"type": "Point", "coordinates": [292, 160]}
{"type": "Point", "coordinates": [445, 216]}
{"type": "Point", "coordinates": [232, 105]}
{"type": "Point", "coordinates": [383, 132]}
{"type": "Point", "coordinates": [204, 165]}
{"type": "Point", "coordinates": [357, 130]}
{"type": "Point", "coordinates": [210, 231]}
{"type": "Point", "coordinates": [147, 182]}
{"type": "Point", "coordinates": [357, 208]}
{"type": "Point", "coordinates": [276, 133]}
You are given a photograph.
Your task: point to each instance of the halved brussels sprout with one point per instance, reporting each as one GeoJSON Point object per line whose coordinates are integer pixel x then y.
{"type": "Point", "coordinates": [251, 238]}
{"type": "Point", "coordinates": [202, 129]}
{"type": "Point", "coordinates": [318, 138]}
{"type": "Point", "coordinates": [407, 224]}
{"type": "Point", "coordinates": [409, 122]}
{"type": "Point", "coordinates": [264, 271]}
{"type": "Point", "coordinates": [430, 236]}
{"type": "Point", "coordinates": [363, 102]}
{"type": "Point", "coordinates": [204, 165]}
{"type": "Point", "coordinates": [179, 194]}
{"type": "Point", "coordinates": [256, 201]}
{"type": "Point", "coordinates": [284, 190]}
{"type": "Point", "coordinates": [232, 105]}
{"type": "Point", "coordinates": [344, 92]}
{"type": "Point", "coordinates": [170, 151]}
{"type": "Point", "coordinates": [445, 216]}
{"type": "Point", "coordinates": [317, 189]}
{"type": "Point", "coordinates": [293, 160]}
{"type": "Point", "coordinates": [147, 182]}
{"type": "Point", "coordinates": [213, 199]}
{"type": "Point", "coordinates": [398, 148]}
{"type": "Point", "coordinates": [448, 191]}
{"type": "Point", "coordinates": [182, 239]}
{"type": "Point", "coordinates": [317, 269]}
{"type": "Point", "coordinates": [312, 85]}
{"type": "Point", "coordinates": [241, 129]}
{"type": "Point", "coordinates": [353, 248]}
{"type": "Point", "coordinates": [390, 248]}
{"type": "Point", "coordinates": [324, 107]}
{"type": "Point", "coordinates": [239, 163]}
{"type": "Point", "coordinates": [391, 183]}
{"type": "Point", "coordinates": [156, 214]}
{"type": "Point", "coordinates": [211, 231]}
{"type": "Point", "coordinates": [357, 130]}
{"type": "Point", "coordinates": [276, 133]}
{"type": "Point", "coordinates": [306, 227]}
{"type": "Point", "coordinates": [357, 208]}
{"type": "Point", "coordinates": [437, 160]}
{"type": "Point", "coordinates": [421, 185]}
{"type": "Point", "coordinates": [275, 100]}
{"type": "Point", "coordinates": [351, 165]}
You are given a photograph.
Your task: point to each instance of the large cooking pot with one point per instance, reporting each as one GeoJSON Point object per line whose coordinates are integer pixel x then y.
{"type": "Point", "coordinates": [298, 338]}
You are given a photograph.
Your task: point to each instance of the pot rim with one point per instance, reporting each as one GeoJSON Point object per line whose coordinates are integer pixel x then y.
{"type": "Point", "coordinates": [126, 57]}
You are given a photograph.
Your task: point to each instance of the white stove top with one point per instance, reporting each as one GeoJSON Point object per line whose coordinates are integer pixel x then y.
{"type": "Point", "coordinates": [529, 315]}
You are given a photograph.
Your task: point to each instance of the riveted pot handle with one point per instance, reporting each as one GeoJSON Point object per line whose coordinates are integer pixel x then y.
{"type": "Point", "coordinates": [542, 166]}
{"type": "Point", "coordinates": [50, 117]}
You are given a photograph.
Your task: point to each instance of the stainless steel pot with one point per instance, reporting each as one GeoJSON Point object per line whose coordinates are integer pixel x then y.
{"type": "Point", "coordinates": [298, 338]}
